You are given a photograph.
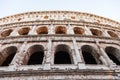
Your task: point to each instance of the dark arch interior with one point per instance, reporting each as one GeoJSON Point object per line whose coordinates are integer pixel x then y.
{"type": "Point", "coordinates": [8, 60]}
{"type": "Point", "coordinates": [37, 54]}
{"type": "Point", "coordinates": [113, 53]}
{"type": "Point", "coordinates": [8, 54]}
{"type": "Point", "coordinates": [62, 57]}
{"type": "Point", "coordinates": [88, 55]}
{"type": "Point", "coordinates": [88, 58]}
{"type": "Point", "coordinates": [114, 59]}
{"type": "Point", "coordinates": [36, 58]}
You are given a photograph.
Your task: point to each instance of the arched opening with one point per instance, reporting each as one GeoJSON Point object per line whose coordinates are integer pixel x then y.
{"type": "Point", "coordinates": [24, 31]}
{"type": "Point", "coordinates": [8, 55]}
{"type": "Point", "coordinates": [6, 33]}
{"type": "Point", "coordinates": [42, 30]}
{"type": "Point", "coordinates": [96, 32]}
{"type": "Point", "coordinates": [114, 54]}
{"type": "Point", "coordinates": [62, 55]}
{"type": "Point", "coordinates": [60, 30]}
{"type": "Point", "coordinates": [36, 53]}
{"type": "Point", "coordinates": [90, 55]}
{"type": "Point", "coordinates": [112, 34]}
{"type": "Point", "coordinates": [78, 30]}
{"type": "Point", "coordinates": [8, 60]}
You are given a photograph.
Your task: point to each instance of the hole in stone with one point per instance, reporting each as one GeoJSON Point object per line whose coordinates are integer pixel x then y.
{"type": "Point", "coordinates": [6, 33]}
{"type": "Point", "coordinates": [24, 31]}
{"type": "Point", "coordinates": [72, 17]}
{"type": "Point", "coordinates": [78, 30]}
{"type": "Point", "coordinates": [60, 30]}
{"type": "Point", "coordinates": [112, 34]}
{"type": "Point", "coordinates": [46, 17]}
{"type": "Point", "coordinates": [96, 32]}
{"type": "Point", "coordinates": [42, 30]}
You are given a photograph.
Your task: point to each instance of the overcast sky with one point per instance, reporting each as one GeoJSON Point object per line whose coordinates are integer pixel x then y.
{"type": "Point", "coordinates": [105, 8]}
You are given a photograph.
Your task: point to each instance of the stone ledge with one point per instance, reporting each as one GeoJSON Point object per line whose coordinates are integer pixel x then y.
{"type": "Point", "coordinates": [56, 37]}
{"type": "Point", "coordinates": [57, 72]}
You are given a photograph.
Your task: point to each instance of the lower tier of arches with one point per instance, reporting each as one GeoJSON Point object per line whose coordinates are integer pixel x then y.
{"type": "Point", "coordinates": [59, 52]}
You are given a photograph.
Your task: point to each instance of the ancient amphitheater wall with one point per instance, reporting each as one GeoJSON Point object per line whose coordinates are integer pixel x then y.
{"type": "Point", "coordinates": [35, 42]}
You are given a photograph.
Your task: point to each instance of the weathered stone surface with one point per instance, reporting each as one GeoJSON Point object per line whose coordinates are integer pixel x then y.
{"type": "Point", "coordinates": [89, 44]}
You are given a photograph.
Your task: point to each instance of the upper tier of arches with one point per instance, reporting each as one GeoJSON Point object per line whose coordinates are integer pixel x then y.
{"type": "Point", "coordinates": [59, 29]}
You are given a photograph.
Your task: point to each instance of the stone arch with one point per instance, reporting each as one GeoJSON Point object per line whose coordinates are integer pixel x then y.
{"type": "Point", "coordinates": [78, 30]}
{"type": "Point", "coordinates": [24, 31]}
{"type": "Point", "coordinates": [36, 54]}
{"type": "Point", "coordinates": [90, 55]}
{"type": "Point", "coordinates": [7, 55]}
{"type": "Point", "coordinates": [60, 30]}
{"type": "Point", "coordinates": [42, 30]}
{"type": "Point", "coordinates": [114, 54]}
{"type": "Point", "coordinates": [62, 54]}
{"type": "Point", "coordinates": [96, 32]}
{"type": "Point", "coordinates": [6, 33]}
{"type": "Point", "coordinates": [112, 34]}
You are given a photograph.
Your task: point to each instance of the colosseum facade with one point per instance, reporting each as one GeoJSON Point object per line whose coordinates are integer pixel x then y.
{"type": "Point", "coordinates": [59, 45]}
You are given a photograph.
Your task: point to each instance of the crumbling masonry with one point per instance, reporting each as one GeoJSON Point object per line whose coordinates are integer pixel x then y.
{"type": "Point", "coordinates": [59, 45]}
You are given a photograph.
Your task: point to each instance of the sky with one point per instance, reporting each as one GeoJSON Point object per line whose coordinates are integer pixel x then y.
{"type": "Point", "coordinates": [106, 8]}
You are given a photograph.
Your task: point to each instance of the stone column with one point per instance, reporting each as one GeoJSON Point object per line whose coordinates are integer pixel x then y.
{"type": "Point", "coordinates": [103, 60]}
{"type": "Point", "coordinates": [50, 29]}
{"type": "Point", "coordinates": [106, 34]}
{"type": "Point", "coordinates": [73, 56]}
{"type": "Point", "coordinates": [104, 57]}
{"type": "Point", "coordinates": [110, 62]}
{"type": "Point", "coordinates": [47, 63]}
{"type": "Point", "coordinates": [88, 32]}
{"type": "Point", "coordinates": [69, 29]}
{"type": "Point", "coordinates": [18, 59]}
{"type": "Point", "coordinates": [79, 61]}
{"type": "Point", "coordinates": [32, 31]}
{"type": "Point", "coordinates": [52, 54]}
{"type": "Point", "coordinates": [1, 55]}
{"type": "Point", "coordinates": [15, 32]}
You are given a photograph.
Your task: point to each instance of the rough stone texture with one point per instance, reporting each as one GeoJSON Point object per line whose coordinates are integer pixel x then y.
{"type": "Point", "coordinates": [75, 31]}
